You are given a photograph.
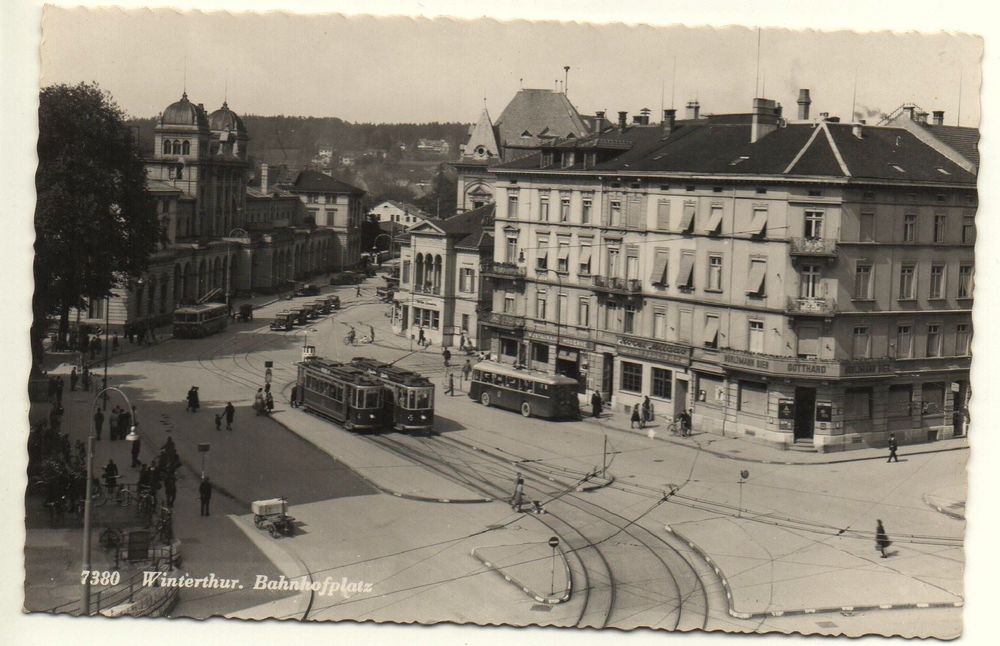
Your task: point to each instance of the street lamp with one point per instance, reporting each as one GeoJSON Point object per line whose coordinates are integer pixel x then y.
{"type": "Point", "coordinates": [131, 437]}
{"type": "Point", "coordinates": [229, 267]}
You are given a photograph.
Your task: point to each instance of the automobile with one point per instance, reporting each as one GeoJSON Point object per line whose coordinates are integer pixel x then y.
{"type": "Point", "coordinates": [283, 321]}
{"type": "Point", "coordinates": [309, 289]}
{"type": "Point", "coordinates": [246, 312]}
{"type": "Point", "coordinates": [334, 301]}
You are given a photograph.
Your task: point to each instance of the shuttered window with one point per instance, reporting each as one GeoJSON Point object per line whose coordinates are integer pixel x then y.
{"type": "Point", "coordinates": [660, 262]}
{"type": "Point", "coordinates": [714, 224]}
{"type": "Point", "coordinates": [663, 215]}
{"type": "Point", "coordinates": [687, 218]}
{"type": "Point", "coordinates": [758, 270]}
{"type": "Point", "coordinates": [686, 272]}
{"type": "Point", "coordinates": [758, 224]}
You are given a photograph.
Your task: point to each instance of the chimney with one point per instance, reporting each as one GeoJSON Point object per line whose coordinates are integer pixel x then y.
{"type": "Point", "coordinates": [637, 119]}
{"type": "Point", "coordinates": [693, 109]}
{"type": "Point", "coordinates": [669, 117]}
{"type": "Point", "coordinates": [858, 130]}
{"type": "Point", "coordinates": [823, 116]}
{"type": "Point", "coordinates": [910, 110]}
{"type": "Point", "coordinates": [645, 112]}
{"type": "Point", "coordinates": [938, 117]}
{"type": "Point", "coordinates": [765, 121]}
{"type": "Point", "coordinates": [920, 116]}
{"type": "Point", "coordinates": [600, 116]}
{"type": "Point", "coordinates": [804, 103]}
{"type": "Point", "coordinates": [622, 119]}
{"type": "Point", "coordinates": [263, 178]}
{"type": "Point", "coordinates": [777, 110]}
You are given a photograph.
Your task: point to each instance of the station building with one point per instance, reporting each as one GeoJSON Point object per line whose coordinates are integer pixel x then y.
{"type": "Point", "coordinates": [801, 281]}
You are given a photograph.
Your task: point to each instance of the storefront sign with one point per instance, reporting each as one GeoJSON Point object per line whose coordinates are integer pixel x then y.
{"type": "Point", "coordinates": [569, 342]}
{"type": "Point", "coordinates": [655, 350]}
{"type": "Point", "coordinates": [867, 368]}
{"type": "Point", "coordinates": [824, 412]}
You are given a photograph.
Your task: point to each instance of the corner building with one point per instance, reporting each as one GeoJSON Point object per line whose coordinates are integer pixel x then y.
{"type": "Point", "coordinates": [804, 282]}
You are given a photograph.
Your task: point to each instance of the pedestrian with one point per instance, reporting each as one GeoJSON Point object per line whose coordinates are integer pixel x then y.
{"type": "Point", "coordinates": [230, 412]}
{"type": "Point", "coordinates": [98, 422]}
{"type": "Point", "coordinates": [144, 479]}
{"type": "Point", "coordinates": [518, 497]}
{"type": "Point", "coordinates": [596, 404]}
{"type": "Point", "coordinates": [268, 401]}
{"type": "Point", "coordinates": [893, 446]}
{"type": "Point", "coordinates": [192, 399]}
{"type": "Point", "coordinates": [59, 390]}
{"type": "Point", "coordinates": [113, 423]}
{"type": "Point", "coordinates": [882, 541]}
{"type": "Point", "coordinates": [258, 401]}
{"type": "Point", "coordinates": [461, 342]}
{"type": "Point", "coordinates": [114, 342]}
{"type": "Point", "coordinates": [136, 444]}
{"type": "Point", "coordinates": [358, 291]}
{"type": "Point", "coordinates": [446, 353]}
{"type": "Point", "coordinates": [467, 369]}
{"type": "Point", "coordinates": [371, 334]}
{"type": "Point", "coordinates": [636, 418]}
{"type": "Point", "coordinates": [205, 494]}
{"type": "Point", "coordinates": [170, 489]}
{"type": "Point", "coordinates": [73, 378]}
{"type": "Point", "coordinates": [110, 476]}
{"type": "Point", "coordinates": [295, 396]}
{"type": "Point", "coordinates": [686, 417]}
{"type": "Point", "coordinates": [85, 379]}
{"type": "Point", "coordinates": [218, 421]}
{"type": "Point", "coordinates": [647, 409]}
{"type": "Point", "coordinates": [420, 337]}
{"type": "Point", "coordinates": [451, 384]}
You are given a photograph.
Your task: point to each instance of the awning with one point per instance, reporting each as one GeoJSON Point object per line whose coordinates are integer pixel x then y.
{"type": "Point", "coordinates": [563, 252]}
{"type": "Point", "coordinates": [687, 219]}
{"type": "Point", "coordinates": [568, 355]}
{"type": "Point", "coordinates": [758, 223]}
{"type": "Point", "coordinates": [714, 221]}
{"type": "Point", "coordinates": [711, 329]}
{"type": "Point", "coordinates": [659, 275]}
{"type": "Point", "coordinates": [687, 266]}
{"type": "Point", "coordinates": [755, 285]}
{"type": "Point", "coordinates": [585, 255]}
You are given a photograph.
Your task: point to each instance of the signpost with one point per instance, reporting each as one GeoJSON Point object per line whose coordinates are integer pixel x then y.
{"type": "Point", "coordinates": [203, 449]}
{"type": "Point", "coordinates": [744, 474]}
{"type": "Point", "coordinates": [554, 544]}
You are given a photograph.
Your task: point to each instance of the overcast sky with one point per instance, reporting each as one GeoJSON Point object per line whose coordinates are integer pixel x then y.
{"type": "Point", "coordinates": [402, 69]}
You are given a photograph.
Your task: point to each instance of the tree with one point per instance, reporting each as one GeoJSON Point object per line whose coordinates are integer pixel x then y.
{"type": "Point", "coordinates": [442, 199]}
{"type": "Point", "coordinates": [95, 223]}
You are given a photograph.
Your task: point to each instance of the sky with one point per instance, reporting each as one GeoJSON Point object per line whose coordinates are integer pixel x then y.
{"type": "Point", "coordinates": [398, 69]}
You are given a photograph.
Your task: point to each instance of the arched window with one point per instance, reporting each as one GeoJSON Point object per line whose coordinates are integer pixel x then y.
{"type": "Point", "coordinates": [166, 146]}
{"type": "Point", "coordinates": [176, 147]}
{"type": "Point", "coordinates": [186, 148]}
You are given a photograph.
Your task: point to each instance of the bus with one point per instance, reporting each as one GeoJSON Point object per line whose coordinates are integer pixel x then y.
{"type": "Point", "coordinates": [344, 393]}
{"type": "Point", "coordinates": [407, 397]}
{"type": "Point", "coordinates": [200, 320]}
{"type": "Point", "coordinates": [531, 392]}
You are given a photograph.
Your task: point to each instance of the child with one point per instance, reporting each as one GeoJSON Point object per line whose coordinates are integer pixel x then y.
{"type": "Point", "coordinates": [218, 421]}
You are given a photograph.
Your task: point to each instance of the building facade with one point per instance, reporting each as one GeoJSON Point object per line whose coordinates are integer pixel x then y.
{"type": "Point", "coordinates": [334, 205]}
{"type": "Point", "coordinates": [803, 282]}
{"type": "Point", "coordinates": [397, 212]}
{"type": "Point", "coordinates": [440, 287]}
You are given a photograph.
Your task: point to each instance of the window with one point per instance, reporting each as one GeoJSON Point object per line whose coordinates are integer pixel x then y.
{"type": "Point", "coordinates": [862, 343]}
{"type": "Point", "coordinates": [583, 313]}
{"type": "Point", "coordinates": [632, 262]}
{"type": "Point", "coordinates": [863, 282]}
{"type": "Point", "coordinates": [616, 213]}
{"type": "Point", "coordinates": [543, 208]}
{"type": "Point", "coordinates": [857, 404]}
{"type": "Point", "coordinates": [660, 261]}
{"type": "Point", "coordinates": [584, 268]}
{"type": "Point", "coordinates": [809, 283]}
{"type": "Point", "coordinates": [186, 148]}
{"type": "Point", "coordinates": [562, 259]}
{"type": "Point", "coordinates": [540, 306]}
{"type": "Point", "coordinates": [631, 377]}
{"type": "Point", "coordinates": [629, 327]}
{"type": "Point", "coordinates": [711, 331]}
{"type": "Point", "coordinates": [867, 233]}
{"type": "Point", "coordinates": [756, 343]}
{"type": "Point", "coordinates": [405, 274]}
{"type": "Point", "coordinates": [512, 205]}
{"type": "Point", "coordinates": [662, 386]}
{"type": "Point", "coordinates": [468, 280]}
{"type": "Point", "coordinates": [909, 227]}
{"type": "Point", "coordinates": [166, 146]}
{"type": "Point", "coordinates": [613, 317]}
{"type": "Point", "coordinates": [659, 324]}
{"type": "Point", "coordinates": [752, 397]}
{"type": "Point", "coordinates": [932, 396]}
{"type": "Point", "coordinates": [588, 207]}
{"type": "Point", "coordinates": [714, 273]}
{"type": "Point", "coordinates": [965, 281]}
{"type": "Point", "coordinates": [907, 282]}
{"type": "Point", "coordinates": [714, 225]}
{"type": "Point", "coordinates": [612, 268]}
{"type": "Point", "coordinates": [758, 225]}
{"type": "Point", "coordinates": [937, 281]}
{"type": "Point", "coordinates": [808, 342]}
{"type": "Point", "coordinates": [933, 340]}
{"type": "Point", "coordinates": [814, 225]}
{"type": "Point", "coordinates": [961, 339]}
{"type": "Point", "coordinates": [508, 348]}
{"type": "Point", "coordinates": [757, 279]}
{"type": "Point", "coordinates": [96, 309]}
{"type": "Point", "coordinates": [687, 218]}
{"type": "Point", "coordinates": [540, 352]}
{"type": "Point", "coordinates": [904, 342]}
{"type": "Point", "coordinates": [685, 276]}
{"type": "Point", "coordinates": [968, 229]}
{"type": "Point", "coordinates": [508, 304]}
{"type": "Point", "coordinates": [313, 198]}
{"type": "Point", "coordinates": [815, 192]}
{"type": "Point", "coordinates": [940, 222]}
{"type": "Point", "coordinates": [562, 309]}
{"type": "Point", "coordinates": [465, 322]}
{"type": "Point", "coordinates": [663, 215]}
{"type": "Point", "coordinates": [564, 208]}
{"type": "Point", "coordinates": [542, 254]}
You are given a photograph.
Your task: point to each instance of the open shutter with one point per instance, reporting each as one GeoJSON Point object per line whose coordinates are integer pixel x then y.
{"type": "Point", "coordinates": [714, 224]}
{"type": "Point", "coordinates": [758, 269]}
{"type": "Point", "coordinates": [659, 275]}
{"type": "Point", "coordinates": [686, 270]}
{"type": "Point", "coordinates": [711, 330]}
{"type": "Point", "coordinates": [687, 218]}
{"type": "Point", "coordinates": [758, 223]}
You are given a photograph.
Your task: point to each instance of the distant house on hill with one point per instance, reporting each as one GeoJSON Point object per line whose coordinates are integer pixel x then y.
{"type": "Point", "coordinates": [399, 212]}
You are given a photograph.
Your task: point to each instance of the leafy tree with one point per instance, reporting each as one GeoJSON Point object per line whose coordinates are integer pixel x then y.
{"type": "Point", "coordinates": [442, 199]}
{"type": "Point", "coordinates": [95, 223]}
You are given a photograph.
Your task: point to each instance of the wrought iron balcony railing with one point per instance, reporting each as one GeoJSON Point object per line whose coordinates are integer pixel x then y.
{"type": "Point", "coordinates": [814, 247]}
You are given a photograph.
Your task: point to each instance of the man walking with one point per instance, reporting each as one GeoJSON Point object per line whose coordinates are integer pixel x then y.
{"type": "Point", "coordinates": [420, 337]}
{"type": "Point", "coordinates": [451, 384]}
{"type": "Point", "coordinates": [882, 541]}
{"type": "Point", "coordinates": [371, 333]}
{"type": "Point", "coordinates": [596, 404]}
{"type": "Point", "coordinates": [518, 498]}
{"type": "Point", "coordinates": [446, 353]}
{"type": "Point", "coordinates": [113, 423]}
{"type": "Point", "coordinates": [295, 396]}
{"type": "Point", "coordinates": [98, 422]}
{"type": "Point", "coordinates": [135, 452]}
{"type": "Point", "coordinates": [467, 370]}
{"type": "Point", "coordinates": [892, 450]}
{"type": "Point", "coordinates": [358, 290]}
{"type": "Point", "coordinates": [205, 494]}
{"type": "Point", "coordinates": [73, 378]}
{"type": "Point", "coordinates": [230, 412]}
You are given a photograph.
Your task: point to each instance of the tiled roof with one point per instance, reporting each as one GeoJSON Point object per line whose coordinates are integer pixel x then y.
{"type": "Point", "coordinates": [403, 206]}
{"type": "Point", "coordinates": [964, 140]}
{"type": "Point", "coordinates": [534, 111]}
{"type": "Point", "coordinates": [315, 182]}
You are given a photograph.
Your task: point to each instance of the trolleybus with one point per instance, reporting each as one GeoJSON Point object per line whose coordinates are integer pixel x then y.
{"type": "Point", "coordinates": [407, 397]}
{"type": "Point", "coordinates": [346, 394]}
{"type": "Point", "coordinates": [200, 320]}
{"type": "Point", "coordinates": [532, 393]}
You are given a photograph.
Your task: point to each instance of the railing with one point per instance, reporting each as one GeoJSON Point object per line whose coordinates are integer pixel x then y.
{"type": "Point", "coordinates": [811, 305]}
{"type": "Point", "coordinates": [619, 285]}
{"type": "Point", "coordinates": [813, 247]}
{"type": "Point", "coordinates": [502, 270]}
{"type": "Point", "coordinates": [427, 289]}
{"type": "Point", "coordinates": [509, 321]}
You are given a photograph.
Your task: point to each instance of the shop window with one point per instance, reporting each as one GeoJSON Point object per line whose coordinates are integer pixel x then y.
{"type": "Point", "coordinates": [753, 397]}
{"type": "Point", "coordinates": [508, 347]}
{"type": "Point", "coordinates": [662, 385]}
{"type": "Point", "coordinates": [900, 400]}
{"type": "Point", "coordinates": [631, 377]}
{"type": "Point", "coordinates": [857, 404]}
{"type": "Point", "coordinates": [711, 390]}
{"type": "Point", "coordinates": [540, 352]}
{"type": "Point", "coordinates": [932, 398]}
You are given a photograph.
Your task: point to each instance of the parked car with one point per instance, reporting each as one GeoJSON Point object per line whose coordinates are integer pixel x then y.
{"type": "Point", "coordinates": [309, 289]}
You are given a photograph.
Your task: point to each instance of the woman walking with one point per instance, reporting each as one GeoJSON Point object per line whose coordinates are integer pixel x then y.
{"type": "Point", "coordinates": [882, 541]}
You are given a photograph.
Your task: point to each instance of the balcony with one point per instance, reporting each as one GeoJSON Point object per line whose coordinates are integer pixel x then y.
{"type": "Point", "coordinates": [506, 270]}
{"type": "Point", "coordinates": [501, 320]}
{"type": "Point", "coordinates": [434, 290]}
{"type": "Point", "coordinates": [814, 247]}
{"type": "Point", "coordinates": [628, 286]}
{"type": "Point", "coordinates": [811, 306]}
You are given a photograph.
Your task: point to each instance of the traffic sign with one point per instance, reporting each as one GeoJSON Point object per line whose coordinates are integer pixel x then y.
{"type": "Point", "coordinates": [268, 364]}
{"type": "Point", "coordinates": [744, 474]}
{"type": "Point", "coordinates": [203, 448]}
{"type": "Point", "coordinates": [554, 542]}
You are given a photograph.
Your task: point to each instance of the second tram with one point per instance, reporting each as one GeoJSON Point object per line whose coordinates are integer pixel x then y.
{"type": "Point", "coordinates": [532, 393]}
{"type": "Point", "coordinates": [407, 397]}
{"type": "Point", "coordinates": [200, 320]}
{"type": "Point", "coordinates": [344, 393]}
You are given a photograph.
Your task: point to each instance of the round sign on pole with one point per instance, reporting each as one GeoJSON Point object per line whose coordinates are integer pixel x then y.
{"type": "Point", "coordinates": [744, 474]}
{"type": "Point", "coordinates": [554, 542]}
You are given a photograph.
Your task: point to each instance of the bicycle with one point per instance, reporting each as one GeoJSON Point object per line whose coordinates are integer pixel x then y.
{"type": "Point", "coordinates": [124, 495]}
{"type": "Point", "coordinates": [350, 340]}
{"type": "Point", "coordinates": [145, 504]}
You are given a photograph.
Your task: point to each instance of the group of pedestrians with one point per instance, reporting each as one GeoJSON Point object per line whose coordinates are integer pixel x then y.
{"type": "Point", "coordinates": [119, 422]}
{"type": "Point", "coordinates": [85, 378]}
{"type": "Point", "coordinates": [263, 400]}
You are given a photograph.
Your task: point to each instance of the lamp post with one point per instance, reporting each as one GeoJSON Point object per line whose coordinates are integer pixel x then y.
{"type": "Point", "coordinates": [229, 267]}
{"type": "Point", "coordinates": [107, 324]}
{"type": "Point", "coordinates": [131, 437]}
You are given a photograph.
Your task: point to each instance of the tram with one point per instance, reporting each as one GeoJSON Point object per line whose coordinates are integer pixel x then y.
{"type": "Point", "coordinates": [407, 397]}
{"type": "Point", "coordinates": [346, 394]}
{"type": "Point", "coordinates": [532, 393]}
{"type": "Point", "coordinates": [200, 320]}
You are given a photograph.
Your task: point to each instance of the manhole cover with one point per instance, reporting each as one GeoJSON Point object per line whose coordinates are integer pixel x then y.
{"type": "Point", "coordinates": [541, 607]}
{"type": "Point", "coordinates": [657, 460]}
{"type": "Point", "coordinates": [826, 624]}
